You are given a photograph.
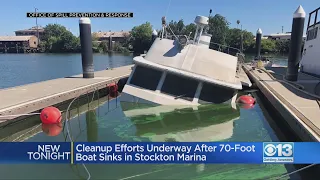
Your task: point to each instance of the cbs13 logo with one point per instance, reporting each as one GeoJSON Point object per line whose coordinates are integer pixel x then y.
{"type": "Point", "coordinates": [278, 149]}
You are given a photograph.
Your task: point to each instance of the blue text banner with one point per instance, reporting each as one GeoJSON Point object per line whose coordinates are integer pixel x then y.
{"type": "Point", "coordinates": [160, 152]}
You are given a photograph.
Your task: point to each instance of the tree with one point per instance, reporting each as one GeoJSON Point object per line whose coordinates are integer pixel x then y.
{"type": "Point", "coordinates": [58, 39]}
{"type": "Point", "coordinates": [176, 27]}
{"type": "Point", "coordinates": [218, 27]}
{"type": "Point", "coordinates": [141, 37]}
{"type": "Point", "coordinates": [190, 28]}
{"type": "Point", "coordinates": [282, 46]}
{"type": "Point", "coordinates": [103, 47]}
{"type": "Point", "coordinates": [268, 45]}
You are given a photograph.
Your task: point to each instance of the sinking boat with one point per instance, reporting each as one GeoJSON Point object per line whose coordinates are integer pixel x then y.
{"type": "Point", "coordinates": [203, 123]}
{"type": "Point", "coordinates": [185, 72]}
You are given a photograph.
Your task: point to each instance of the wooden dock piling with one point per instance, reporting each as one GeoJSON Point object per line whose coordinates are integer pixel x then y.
{"type": "Point", "coordinates": [86, 48]}
{"type": "Point", "coordinates": [295, 44]}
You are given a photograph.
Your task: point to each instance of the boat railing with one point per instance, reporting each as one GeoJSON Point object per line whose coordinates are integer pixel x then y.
{"type": "Point", "coordinates": [241, 61]}
{"type": "Point", "coordinates": [224, 48]}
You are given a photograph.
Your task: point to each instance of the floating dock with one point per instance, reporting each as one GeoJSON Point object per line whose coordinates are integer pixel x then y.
{"type": "Point", "coordinates": [297, 102]}
{"type": "Point", "coordinates": [33, 97]}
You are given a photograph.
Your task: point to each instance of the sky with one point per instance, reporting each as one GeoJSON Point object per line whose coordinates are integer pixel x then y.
{"type": "Point", "coordinates": [269, 15]}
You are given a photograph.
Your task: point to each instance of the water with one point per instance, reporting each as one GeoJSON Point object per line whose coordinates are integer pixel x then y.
{"type": "Point", "coordinates": [20, 69]}
{"type": "Point", "coordinates": [122, 122]}
{"type": "Point", "coordinates": [280, 60]}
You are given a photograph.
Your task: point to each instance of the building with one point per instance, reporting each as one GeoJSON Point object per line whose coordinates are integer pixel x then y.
{"type": "Point", "coordinates": [18, 44]}
{"type": "Point", "coordinates": [31, 32]}
{"type": "Point", "coordinates": [281, 36]}
{"type": "Point", "coordinates": [115, 36]}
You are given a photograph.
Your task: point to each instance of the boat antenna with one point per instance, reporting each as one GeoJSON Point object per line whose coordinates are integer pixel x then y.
{"type": "Point", "coordinates": [207, 28]}
{"type": "Point", "coordinates": [164, 21]}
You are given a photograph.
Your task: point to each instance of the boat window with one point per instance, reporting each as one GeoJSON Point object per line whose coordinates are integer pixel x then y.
{"type": "Point", "coordinates": [312, 34]}
{"type": "Point", "coordinates": [146, 78]}
{"type": "Point", "coordinates": [179, 86]}
{"type": "Point", "coordinates": [214, 94]}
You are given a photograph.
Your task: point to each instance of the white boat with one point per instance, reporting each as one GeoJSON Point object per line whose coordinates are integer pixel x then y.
{"type": "Point", "coordinates": [310, 62]}
{"type": "Point", "coordinates": [207, 123]}
{"type": "Point", "coordinates": [185, 72]}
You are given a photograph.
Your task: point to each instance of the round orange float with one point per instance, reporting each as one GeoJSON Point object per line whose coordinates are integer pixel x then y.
{"type": "Point", "coordinates": [52, 129]}
{"type": "Point", "coordinates": [246, 99]}
{"type": "Point", "coordinates": [50, 115]}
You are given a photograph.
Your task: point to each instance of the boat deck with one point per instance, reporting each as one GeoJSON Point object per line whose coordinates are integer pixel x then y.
{"type": "Point", "coordinates": [32, 97]}
{"type": "Point", "coordinates": [244, 79]}
{"type": "Point", "coordinates": [302, 111]}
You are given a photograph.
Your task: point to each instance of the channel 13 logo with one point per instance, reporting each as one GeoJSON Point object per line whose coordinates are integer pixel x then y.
{"type": "Point", "coordinates": [280, 152]}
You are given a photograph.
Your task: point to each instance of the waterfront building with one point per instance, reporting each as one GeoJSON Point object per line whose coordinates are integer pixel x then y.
{"type": "Point", "coordinates": [18, 44]}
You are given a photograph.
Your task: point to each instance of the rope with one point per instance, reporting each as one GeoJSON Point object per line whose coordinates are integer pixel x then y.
{"type": "Point", "coordinates": [26, 132]}
{"type": "Point", "coordinates": [310, 94]}
{"type": "Point", "coordinates": [68, 131]}
{"type": "Point", "coordinates": [14, 115]}
{"type": "Point", "coordinates": [291, 84]}
{"type": "Point", "coordinates": [168, 8]}
{"type": "Point", "coordinates": [172, 32]}
{"type": "Point", "coordinates": [293, 172]}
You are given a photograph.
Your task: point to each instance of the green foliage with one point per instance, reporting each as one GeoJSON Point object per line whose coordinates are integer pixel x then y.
{"type": "Point", "coordinates": [282, 46]}
{"type": "Point", "coordinates": [223, 34]}
{"type": "Point", "coordinates": [189, 28]}
{"type": "Point", "coordinates": [177, 27]}
{"type": "Point", "coordinates": [141, 37]}
{"type": "Point", "coordinates": [58, 39]}
{"type": "Point", "coordinates": [268, 45]}
{"type": "Point", "coordinates": [218, 28]}
{"type": "Point", "coordinates": [120, 48]}
{"type": "Point", "coordinates": [103, 47]}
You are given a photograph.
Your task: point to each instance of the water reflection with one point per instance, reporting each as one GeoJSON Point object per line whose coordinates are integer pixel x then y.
{"type": "Point", "coordinates": [92, 126]}
{"type": "Point", "coordinates": [172, 123]}
{"type": "Point", "coordinates": [52, 129]}
{"type": "Point", "coordinates": [139, 122]}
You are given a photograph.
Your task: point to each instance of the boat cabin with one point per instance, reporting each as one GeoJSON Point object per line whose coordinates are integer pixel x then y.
{"type": "Point", "coordinates": [183, 72]}
{"type": "Point", "coordinates": [165, 87]}
{"type": "Point", "coordinates": [310, 62]}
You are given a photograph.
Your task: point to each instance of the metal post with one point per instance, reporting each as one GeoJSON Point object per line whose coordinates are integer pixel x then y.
{"type": "Point", "coordinates": [86, 48]}
{"type": "Point", "coordinates": [241, 40]}
{"type": "Point", "coordinates": [110, 43]}
{"type": "Point", "coordinates": [195, 35]}
{"type": "Point", "coordinates": [154, 35]}
{"type": "Point", "coordinates": [258, 43]}
{"type": "Point", "coordinates": [295, 44]}
{"type": "Point", "coordinates": [35, 10]}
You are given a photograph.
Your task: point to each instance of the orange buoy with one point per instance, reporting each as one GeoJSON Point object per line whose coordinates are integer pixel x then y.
{"type": "Point", "coordinates": [50, 115]}
{"type": "Point", "coordinates": [113, 89]}
{"type": "Point", "coordinates": [52, 129]}
{"type": "Point", "coordinates": [246, 99]}
{"type": "Point", "coordinates": [246, 106]}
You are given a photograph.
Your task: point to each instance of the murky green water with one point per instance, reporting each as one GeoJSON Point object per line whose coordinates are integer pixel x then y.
{"type": "Point", "coordinates": [131, 122]}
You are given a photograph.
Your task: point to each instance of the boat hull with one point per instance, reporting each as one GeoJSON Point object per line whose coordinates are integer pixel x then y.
{"type": "Point", "coordinates": [184, 124]}
{"type": "Point", "coordinates": [141, 96]}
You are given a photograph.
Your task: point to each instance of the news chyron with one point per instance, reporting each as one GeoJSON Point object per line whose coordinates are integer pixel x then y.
{"type": "Point", "coordinates": [79, 14]}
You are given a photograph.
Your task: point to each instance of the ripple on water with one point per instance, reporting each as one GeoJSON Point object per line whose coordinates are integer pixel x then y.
{"type": "Point", "coordinates": [131, 123]}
